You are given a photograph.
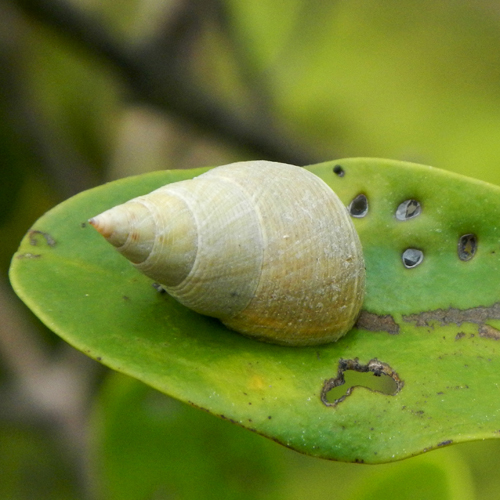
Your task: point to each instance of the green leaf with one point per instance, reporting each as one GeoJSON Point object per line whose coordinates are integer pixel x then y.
{"type": "Point", "coordinates": [431, 328]}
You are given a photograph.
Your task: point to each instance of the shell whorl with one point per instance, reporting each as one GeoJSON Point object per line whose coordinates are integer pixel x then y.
{"type": "Point", "coordinates": [268, 248]}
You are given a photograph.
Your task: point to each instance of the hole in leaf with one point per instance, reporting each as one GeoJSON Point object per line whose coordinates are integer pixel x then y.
{"type": "Point", "coordinates": [338, 170]}
{"type": "Point", "coordinates": [359, 206]}
{"type": "Point", "coordinates": [375, 376]}
{"type": "Point", "coordinates": [383, 384]}
{"type": "Point", "coordinates": [467, 246]}
{"type": "Point", "coordinates": [408, 210]}
{"type": "Point", "coordinates": [412, 257]}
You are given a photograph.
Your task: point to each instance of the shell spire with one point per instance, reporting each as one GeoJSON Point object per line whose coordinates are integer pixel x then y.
{"type": "Point", "coordinates": [133, 228]}
{"type": "Point", "coordinates": [116, 225]}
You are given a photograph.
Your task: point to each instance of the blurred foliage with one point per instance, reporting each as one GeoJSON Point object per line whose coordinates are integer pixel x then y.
{"type": "Point", "coordinates": [147, 446]}
{"type": "Point", "coordinates": [33, 466]}
{"type": "Point", "coordinates": [399, 79]}
{"type": "Point", "coordinates": [74, 97]}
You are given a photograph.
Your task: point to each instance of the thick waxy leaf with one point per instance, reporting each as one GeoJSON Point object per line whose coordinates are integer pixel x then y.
{"type": "Point", "coordinates": [428, 326]}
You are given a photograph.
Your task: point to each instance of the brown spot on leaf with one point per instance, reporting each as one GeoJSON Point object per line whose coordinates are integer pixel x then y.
{"type": "Point", "coordinates": [489, 332]}
{"type": "Point", "coordinates": [445, 443]}
{"type": "Point", "coordinates": [376, 323]}
{"type": "Point", "coordinates": [28, 256]}
{"type": "Point", "coordinates": [476, 315]}
{"type": "Point", "coordinates": [34, 240]}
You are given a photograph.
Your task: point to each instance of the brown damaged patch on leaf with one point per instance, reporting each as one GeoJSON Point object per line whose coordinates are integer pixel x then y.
{"type": "Point", "coordinates": [28, 256]}
{"type": "Point", "coordinates": [488, 332]}
{"type": "Point", "coordinates": [375, 323]}
{"type": "Point", "coordinates": [32, 235]}
{"type": "Point", "coordinates": [445, 443]}
{"type": "Point", "coordinates": [375, 366]}
{"type": "Point", "coordinates": [476, 315]}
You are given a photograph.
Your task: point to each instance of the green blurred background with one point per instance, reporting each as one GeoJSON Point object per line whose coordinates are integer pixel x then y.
{"type": "Point", "coordinates": [95, 90]}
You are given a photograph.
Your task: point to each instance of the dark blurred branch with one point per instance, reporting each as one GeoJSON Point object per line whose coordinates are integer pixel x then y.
{"type": "Point", "coordinates": [157, 79]}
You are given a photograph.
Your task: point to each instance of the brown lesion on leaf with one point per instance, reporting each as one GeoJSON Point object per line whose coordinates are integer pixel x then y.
{"type": "Point", "coordinates": [489, 332]}
{"type": "Point", "coordinates": [377, 323]}
{"type": "Point", "coordinates": [453, 316]}
{"type": "Point", "coordinates": [33, 238]}
{"type": "Point", "coordinates": [378, 368]}
{"type": "Point", "coordinates": [28, 256]}
{"type": "Point", "coordinates": [445, 443]}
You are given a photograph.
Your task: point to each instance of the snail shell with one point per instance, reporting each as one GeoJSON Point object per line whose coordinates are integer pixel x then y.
{"type": "Point", "coordinates": [267, 248]}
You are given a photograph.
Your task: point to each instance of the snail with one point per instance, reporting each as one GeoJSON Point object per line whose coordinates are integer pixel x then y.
{"type": "Point", "coordinates": [268, 248]}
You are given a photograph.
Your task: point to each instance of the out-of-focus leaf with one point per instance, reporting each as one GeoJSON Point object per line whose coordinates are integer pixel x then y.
{"type": "Point", "coordinates": [74, 99]}
{"type": "Point", "coordinates": [147, 445]}
{"type": "Point", "coordinates": [407, 80]}
{"type": "Point", "coordinates": [31, 466]}
{"type": "Point", "coordinates": [435, 476]}
{"type": "Point", "coordinates": [433, 327]}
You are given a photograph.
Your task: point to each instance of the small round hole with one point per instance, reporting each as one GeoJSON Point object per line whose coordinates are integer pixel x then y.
{"type": "Point", "coordinates": [408, 210]}
{"type": "Point", "coordinates": [338, 170]}
{"type": "Point", "coordinates": [467, 246]}
{"type": "Point", "coordinates": [412, 258]}
{"type": "Point", "coordinates": [359, 206]}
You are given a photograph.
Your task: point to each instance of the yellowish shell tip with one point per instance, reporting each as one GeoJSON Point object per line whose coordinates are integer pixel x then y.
{"type": "Point", "coordinates": [159, 222]}
{"type": "Point", "coordinates": [102, 227]}
{"type": "Point", "coordinates": [123, 226]}
{"type": "Point", "coordinates": [112, 225]}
